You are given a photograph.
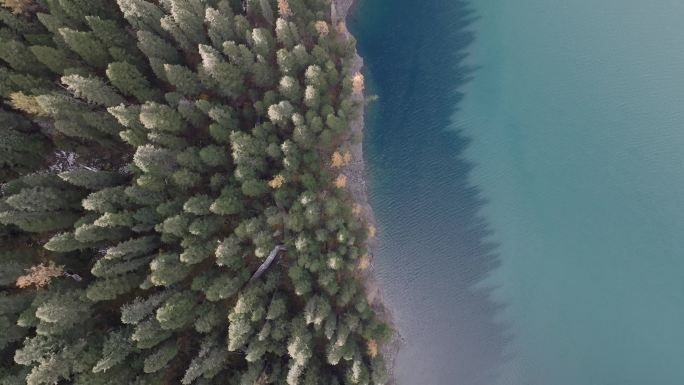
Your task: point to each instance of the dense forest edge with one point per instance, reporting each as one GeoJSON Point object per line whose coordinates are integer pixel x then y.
{"type": "Point", "coordinates": [153, 156]}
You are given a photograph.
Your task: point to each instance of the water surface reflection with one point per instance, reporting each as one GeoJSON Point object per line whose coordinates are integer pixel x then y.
{"type": "Point", "coordinates": [434, 248]}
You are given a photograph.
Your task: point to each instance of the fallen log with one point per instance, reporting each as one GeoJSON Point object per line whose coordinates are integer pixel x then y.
{"type": "Point", "coordinates": [267, 263]}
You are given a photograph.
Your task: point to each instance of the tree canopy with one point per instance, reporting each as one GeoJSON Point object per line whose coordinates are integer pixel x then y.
{"type": "Point", "coordinates": [153, 154]}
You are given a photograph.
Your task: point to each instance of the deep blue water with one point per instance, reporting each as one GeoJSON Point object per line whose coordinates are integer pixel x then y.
{"type": "Point", "coordinates": [527, 172]}
{"type": "Point", "coordinates": [433, 246]}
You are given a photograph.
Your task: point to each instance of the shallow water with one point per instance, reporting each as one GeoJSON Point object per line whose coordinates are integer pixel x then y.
{"type": "Point", "coordinates": [554, 175]}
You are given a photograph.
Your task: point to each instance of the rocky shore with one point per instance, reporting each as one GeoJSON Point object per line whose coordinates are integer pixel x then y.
{"type": "Point", "coordinates": [358, 186]}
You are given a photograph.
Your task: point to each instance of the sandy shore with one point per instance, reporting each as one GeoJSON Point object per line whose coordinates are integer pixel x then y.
{"type": "Point", "coordinates": [357, 184]}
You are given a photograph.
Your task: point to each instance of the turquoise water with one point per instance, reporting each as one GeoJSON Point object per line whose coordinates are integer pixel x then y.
{"type": "Point", "coordinates": [527, 164]}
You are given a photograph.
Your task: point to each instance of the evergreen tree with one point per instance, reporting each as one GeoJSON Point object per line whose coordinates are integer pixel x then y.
{"type": "Point", "coordinates": [86, 46]}
{"type": "Point", "coordinates": [115, 349]}
{"type": "Point", "coordinates": [223, 77]}
{"type": "Point", "coordinates": [92, 90]}
{"type": "Point", "coordinates": [130, 81]}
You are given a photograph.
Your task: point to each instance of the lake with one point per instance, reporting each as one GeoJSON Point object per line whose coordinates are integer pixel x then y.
{"type": "Point", "coordinates": [527, 171]}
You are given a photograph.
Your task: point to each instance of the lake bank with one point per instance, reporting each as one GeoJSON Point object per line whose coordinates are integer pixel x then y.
{"type": "Point", "coordinates": [358, 186]}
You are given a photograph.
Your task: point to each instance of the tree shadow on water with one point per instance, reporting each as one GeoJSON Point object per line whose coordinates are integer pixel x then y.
{"type": "Point", "coordinates": [435, 247]}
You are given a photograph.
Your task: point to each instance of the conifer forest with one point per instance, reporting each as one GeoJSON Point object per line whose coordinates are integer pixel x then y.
{"type": "Point", "coordinates": [174, 207]}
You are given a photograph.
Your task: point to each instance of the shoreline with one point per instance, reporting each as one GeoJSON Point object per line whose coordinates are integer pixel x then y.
{"type": "Point", "coordinates": [356, 172]}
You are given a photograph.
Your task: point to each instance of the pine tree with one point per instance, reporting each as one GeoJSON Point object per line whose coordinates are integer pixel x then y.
{"type": "Point", "coordinates": [160, 357]}
{"type": "Point", "coordinates": [208, 362]}
{"type": "Point", "coordinates": [92, 179]}
{"type": "Point", "coordinates": [154, 160]}
{"type": "Point", "coordinates": [220, 24]}
{"type": "Point", "coordinates": [136, 311]}
{"type": "Point", "coordinates": [167, 269]}
{"type": "Point", "coordinates": [92, 90]}
{"type": "Point", "coordinates": [116, 348]}
{"type": "Point", "coordinates": [20, 145]}
{"type": "Point", "coordinates": [142, 15]}
{"type": "Point", "coordinates": [177, 311]}
{"type": "Point", "coordinates": [112, 287]}
{"type": "Point", "coordinates": [87, 46]}
{"type": "Point", "coordinates": [224, 77]}
{"type": "Point", "coordinates": [149, 333]}
{"type": "Point", "coordinates": [185, 80]}
{"type": "Point", "coordinates": [130, 81]}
